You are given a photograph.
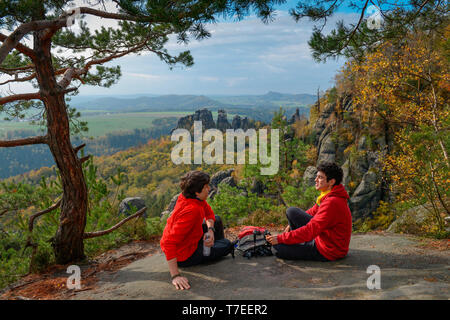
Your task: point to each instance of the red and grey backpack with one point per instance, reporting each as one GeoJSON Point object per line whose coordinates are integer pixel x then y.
{"type": "Point", "coordinates": [252, 242]}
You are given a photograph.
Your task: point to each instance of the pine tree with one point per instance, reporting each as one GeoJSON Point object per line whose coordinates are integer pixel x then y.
{"type": "Point", "coordinates": [143, 26]}
{"type": "Point", "coordinates": [377, 21]}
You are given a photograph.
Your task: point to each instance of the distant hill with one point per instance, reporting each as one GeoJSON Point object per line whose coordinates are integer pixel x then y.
{"type": "Point", "coordinates": [145, 104]}
{"type": "Point", "coordinates": [271, 100]}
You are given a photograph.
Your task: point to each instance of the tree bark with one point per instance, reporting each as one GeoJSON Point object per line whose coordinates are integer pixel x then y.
{"type": "Point", "coordinates": [68, 242]}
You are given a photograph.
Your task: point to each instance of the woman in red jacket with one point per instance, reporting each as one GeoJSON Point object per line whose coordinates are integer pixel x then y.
{"type": "Point", "coordinates": [186, 234]}
{"type": "Point", "coordinates": [323, 232]}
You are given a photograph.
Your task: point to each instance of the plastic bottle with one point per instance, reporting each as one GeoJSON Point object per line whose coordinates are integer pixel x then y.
{"type": "Point", "coordinates": [206, 250]}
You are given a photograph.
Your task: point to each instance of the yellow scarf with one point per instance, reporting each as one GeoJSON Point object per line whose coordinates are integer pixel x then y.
{"type": "Point", "coordinates": [322, 194]}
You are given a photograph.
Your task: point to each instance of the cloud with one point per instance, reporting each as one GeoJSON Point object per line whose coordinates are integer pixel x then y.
{"type": "Point", "coordinates": [231, 82]}
{"type": "Point", "coordinates": [209, 79]}
{"type": "Point", "coordinates": [144, 75]}
{"type": "Point", "coordinates": [241, 57]}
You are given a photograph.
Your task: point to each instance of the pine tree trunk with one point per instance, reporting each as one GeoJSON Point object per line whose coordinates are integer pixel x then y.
{"type": "Point", "coordinates": [68, 241]}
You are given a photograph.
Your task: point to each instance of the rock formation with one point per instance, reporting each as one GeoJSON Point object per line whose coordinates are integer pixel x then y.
{"type": "Point", "coordinates": [205, 116]}
{"type": "Point", "coordinates": [222, 121]}
{"type": "Point", "coordinates": [127, 204]}
{"type": "Point", "coordinates": [362, 170]}
{"type": "Point", "coordinates": [222, 124]}
{"type": "Point", "coordinates": [295, 117]}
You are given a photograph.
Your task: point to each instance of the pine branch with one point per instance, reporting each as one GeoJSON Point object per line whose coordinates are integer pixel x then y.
{"type": "Point", "coordinates": [23, 142]}
{"type": "Point", "coordinates": [84, 159]}
{"type": "Point", "coordinates": [72, 73]}
{"type": "Point", "coordinates": [18, 97]}
{"type": "Point", "coordinates": [30, 242]}
{"type": "Point", "coordinates": [14, 71]}
{"type": "Point", "coordinates": [19, 47]}
{"type": "Point", "coordinates": [31, 77]}
{"type": "Point", "coordinates": [116, 16]}
{"type": "Point", "coordinates": [40, 213]}
{"type": "Point", "coordinates": [81, 146]}
{"type": "Point", "coordinates": [89, 235]}
{"type": "Point", "coordinates": [357, 26]}
{"type": "Point", "coordinates": [13, 40]}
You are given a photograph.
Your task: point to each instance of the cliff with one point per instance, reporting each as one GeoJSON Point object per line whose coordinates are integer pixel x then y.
{"type": "Point", "coordinates": [358, 151]}
{"type": "Point", "coordinates": [222, 123]}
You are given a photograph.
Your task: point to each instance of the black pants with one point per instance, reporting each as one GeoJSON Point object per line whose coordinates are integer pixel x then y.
{"type": "Point", "coordinates": [221, 247]}
{"type": "Point", "coordinates": [303, 251]}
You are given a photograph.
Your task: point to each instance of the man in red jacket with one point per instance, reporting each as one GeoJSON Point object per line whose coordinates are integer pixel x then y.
{"type": "Point", "coordinates": [323, 232]}
{"type": "Point", "coordinates": [185, 234]}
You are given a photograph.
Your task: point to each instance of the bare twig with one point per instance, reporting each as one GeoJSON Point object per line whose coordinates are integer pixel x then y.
{"type": "Point", "coordinates": [30, 243]}
{"type": "Point", "coordinates": [84, 159]}
{"type": "Point", "coordinates": [40, 213]}
{"type": "Point", "coordinates": [89, 235]}
{"type": "Point", "coordinates": [81, 146]}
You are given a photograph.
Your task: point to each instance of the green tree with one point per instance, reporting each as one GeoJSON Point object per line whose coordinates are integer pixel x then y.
{"type": "Point", "coordinates": [143, 26]}
{"type": "Point", "coordinates": [293, 159]}
{"type": "Point", "coordinates": [354, 39]}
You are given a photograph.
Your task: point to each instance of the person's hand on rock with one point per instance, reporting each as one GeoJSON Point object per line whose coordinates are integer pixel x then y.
{"type": "Point", "coordinates": [181, 283]}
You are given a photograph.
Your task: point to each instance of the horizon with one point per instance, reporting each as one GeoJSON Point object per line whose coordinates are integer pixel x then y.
{"type": "Point", "coordinates": [191, 94]}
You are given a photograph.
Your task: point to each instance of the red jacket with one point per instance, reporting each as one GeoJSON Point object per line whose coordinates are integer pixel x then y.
{"type": "Point", "coordinates": [330, 226]}
{"type": "Point", "coordinates": [184, 228]}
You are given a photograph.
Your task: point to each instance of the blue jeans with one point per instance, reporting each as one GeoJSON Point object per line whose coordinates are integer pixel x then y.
{"type": "Point", "coordinates": [303, 251]}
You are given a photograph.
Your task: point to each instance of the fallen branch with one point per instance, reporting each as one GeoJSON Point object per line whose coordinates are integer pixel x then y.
{"type": "Point", "coordinates": [84, 289]}
{"type": "Point", "coordinates": [20, 285]}
{"type": "Point", "coordinates": [89, 235]}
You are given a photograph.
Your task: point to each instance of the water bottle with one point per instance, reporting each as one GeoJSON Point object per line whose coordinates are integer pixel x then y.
{"type": "Point", "coordinates": [206, 250]}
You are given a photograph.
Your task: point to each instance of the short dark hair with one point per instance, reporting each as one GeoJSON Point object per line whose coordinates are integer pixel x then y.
{"type": "Point", "coordinates": [332, 171]}
{"type": "Point", "coordinates": [193, 182]}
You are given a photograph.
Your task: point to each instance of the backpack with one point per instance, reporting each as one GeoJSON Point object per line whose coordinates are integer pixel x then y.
{"type": "Point", "coordinates": [252, 242]}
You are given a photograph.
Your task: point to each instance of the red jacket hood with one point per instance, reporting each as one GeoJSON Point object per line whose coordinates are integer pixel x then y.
{"type": "Point", "coordinates": [338, 191]}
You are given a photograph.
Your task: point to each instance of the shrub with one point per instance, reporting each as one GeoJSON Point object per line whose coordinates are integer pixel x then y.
{"type": "Point", "coordinates": [261, 217]}
{"type": "Point", "coordinates": [302, 196]}
{"type": "Point", "coordinates": [231, 205]}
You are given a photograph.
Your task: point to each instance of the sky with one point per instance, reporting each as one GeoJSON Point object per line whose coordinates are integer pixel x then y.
{"type": "Point", "coordinates": [245, 57]}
